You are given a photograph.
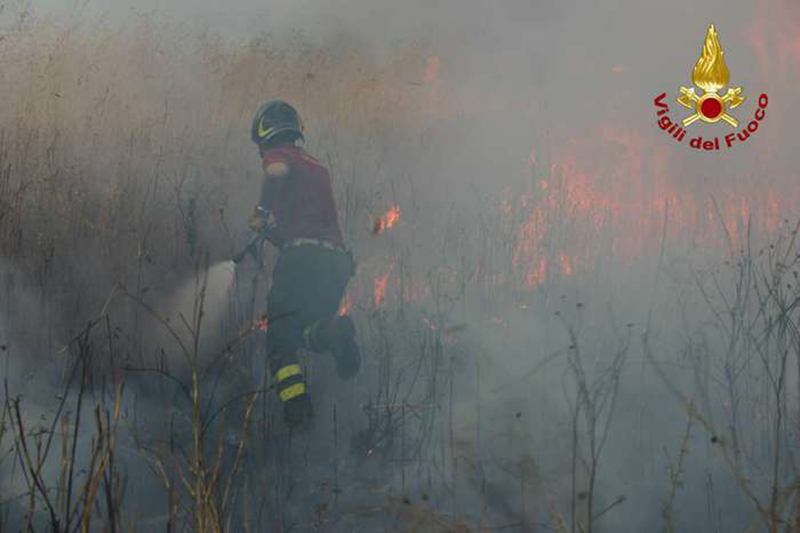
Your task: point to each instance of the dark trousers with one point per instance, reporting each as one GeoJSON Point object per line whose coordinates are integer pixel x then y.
{"type": "Point", "coordinates": [308, 284]}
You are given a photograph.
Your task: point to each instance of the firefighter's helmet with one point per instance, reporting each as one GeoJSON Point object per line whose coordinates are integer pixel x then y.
{"type": "Point", "coordinates": [274, 118]}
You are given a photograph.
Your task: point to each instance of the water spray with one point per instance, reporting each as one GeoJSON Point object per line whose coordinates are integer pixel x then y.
{"type": "Point", "coordinates": [220, 278]}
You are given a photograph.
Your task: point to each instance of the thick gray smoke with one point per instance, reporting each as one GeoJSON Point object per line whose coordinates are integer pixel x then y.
{"type": "Point", "coordinates": [565, 292]}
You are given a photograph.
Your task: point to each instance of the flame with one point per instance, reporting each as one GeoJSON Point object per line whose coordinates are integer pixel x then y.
{"type": "Point", "coordinates": [608, 197]}
{"type": "Point", "coordinates": [344, 306]}
{"type": "Point", "coordinates": [711, 73]}
{"type": "Point", "coordinates": [604, 196]}
{"type": "Point", "coordinates": [379, 287]}
{"type": "Point", "coordinates": [379, 290]}
{"type": "Point", "coordinates": [564, 262]}
{"type": "Point", "coordinates": [536, 274]}
{"type": "Point", "coordinates": [387, 221]}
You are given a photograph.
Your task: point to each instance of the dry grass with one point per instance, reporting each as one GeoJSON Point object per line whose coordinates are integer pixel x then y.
{"type": "Point", "coordinates": [125, 169]}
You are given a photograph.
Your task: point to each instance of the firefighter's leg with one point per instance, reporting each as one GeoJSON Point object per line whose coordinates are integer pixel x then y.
{"type": "Point", "coordinates": [336, 335]}
{"type": "Point", "coordinates": [289, 380]}
{"type": "Point", "coordinates": [284, 339]}
{"type": "Point", "coordinates": [329, 332]}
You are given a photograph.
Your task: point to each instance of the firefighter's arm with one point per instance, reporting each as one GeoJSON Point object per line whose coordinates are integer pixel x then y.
{"type": "Point", "coordinates": [263, 220]}
{"type": "Point", "coordinates": [275, 169]}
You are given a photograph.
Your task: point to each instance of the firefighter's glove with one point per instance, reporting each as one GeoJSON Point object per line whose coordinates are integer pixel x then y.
{"type": "Point", "coordinates": [257, 224]}
{"type": "Point", "coordinates": [261, 222]}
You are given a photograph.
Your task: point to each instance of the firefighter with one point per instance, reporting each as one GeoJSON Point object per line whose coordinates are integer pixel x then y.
{"type": "Point", "coordinates": [297, 214]}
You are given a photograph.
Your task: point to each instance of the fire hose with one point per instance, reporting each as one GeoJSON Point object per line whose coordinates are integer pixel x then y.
{"type": "Point", "coordinates": [252, 247]}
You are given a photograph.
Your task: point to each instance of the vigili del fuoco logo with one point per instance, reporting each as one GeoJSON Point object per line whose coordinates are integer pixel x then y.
{"type": "Point", "coordinates": [710, 75]}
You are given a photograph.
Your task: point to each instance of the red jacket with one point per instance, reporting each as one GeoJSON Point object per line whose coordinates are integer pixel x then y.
{"type": "Point", "coordinates": [301, 202]}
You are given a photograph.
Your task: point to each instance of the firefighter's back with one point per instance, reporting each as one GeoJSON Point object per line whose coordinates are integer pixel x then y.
{"type": "Point", "coordinates": [302, 200]}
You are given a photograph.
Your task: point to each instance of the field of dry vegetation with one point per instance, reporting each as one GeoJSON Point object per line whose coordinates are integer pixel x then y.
{"type": "Point", "coordinates": [513, 381]}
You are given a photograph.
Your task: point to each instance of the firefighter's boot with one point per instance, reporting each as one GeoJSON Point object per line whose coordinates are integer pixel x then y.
{"type": "Point", "coordinates": [291, 387]}
{"type": "Point", "coordinates": [298, 411]}
{"type": "Point", "coordinates": [337, 335]}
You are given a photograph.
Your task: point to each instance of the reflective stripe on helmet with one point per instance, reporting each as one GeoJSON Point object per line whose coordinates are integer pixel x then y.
{"type": "Point", "coordinates": [291, 392]}
{"type": "Point", "coordinates": [262, 132]}
{"type": "Point", "coordinates": [287, 372]}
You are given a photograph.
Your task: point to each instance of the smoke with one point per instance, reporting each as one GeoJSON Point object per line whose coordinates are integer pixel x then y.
{"type": "Point", "coordinates": [543, 216]}
{"type": "Point", "coordinates": [201, 305]}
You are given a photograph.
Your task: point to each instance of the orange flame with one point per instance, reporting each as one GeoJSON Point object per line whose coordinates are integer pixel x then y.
{"type": "Point", "coordinates": [344, 306]}
{"type": "Point", "coordinates": [379, 287]}
{"type": "Point", "coordinates": [610, 194]}
{"type": "Point", "coordinates": [566, 267]}
{"type": "Point", "coordinates": [379, 290]}
{"type": "Point", "coordinates": [536, 274]}
{"type": "Point", "coordinates": [387, 221]}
